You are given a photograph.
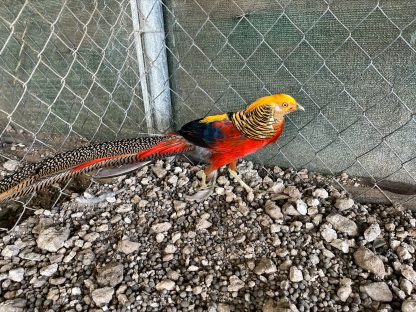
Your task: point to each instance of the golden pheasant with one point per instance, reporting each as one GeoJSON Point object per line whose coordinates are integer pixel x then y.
{"type": "Point", "coordinates": [218, 140]}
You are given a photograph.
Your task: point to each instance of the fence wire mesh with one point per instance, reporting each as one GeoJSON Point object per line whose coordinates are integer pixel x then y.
{"type": "Point", "coordinates": [69, 71]}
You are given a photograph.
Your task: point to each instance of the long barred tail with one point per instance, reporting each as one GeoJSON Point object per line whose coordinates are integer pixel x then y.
{"type": "Point", "coordinates": [35, 176]}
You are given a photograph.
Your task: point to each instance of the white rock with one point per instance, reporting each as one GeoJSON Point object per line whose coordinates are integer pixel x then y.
{"type": "Point", "coordinates": [406, 286]}
{"type": "Point", "coordinates": [344, 203]}
{"type": "Point", "coordinates": [10, 251]}
{"type": "Point", "coordinates": [293, 192]}
{"type": "Point", "coordinates": [17, 275]}
{"type": "Point", "coordinates": [403, 253]}
{"type": "Point", "coordinates": [52, 239]}
{"type": "Point", "coordinates": [222, 307]}
{"type": "Point", "coordinates": [75, 291]}
{"type": "Point", "coordinates": [312, 202]}
{"type": "Point", "coordinates": [165, 284]}
{"type": "Point", "coordinates": [409, 305]}
{"type": "Point", "coordinates": [127, 247]}
{"type": "Point", "coordinates": [102, 296]}
{"type": "Point", "coordinates": [344, 292]}
{"type": "Point", "coordinates": [49, 270]}
{"type": "Point", "coordinates": [277, 188]}
{"type": "Point", "coordinates": [235, 284]}
{"type": "Point", "coordinates": [372, 232]}
{"type": "Point", "coordinates": [179, 205]}
{"type": "Point", "coordinates": [265, 265]}
{"type": "Point", "coordinates": [295, 275]}
{"type": "Point", "coordinates": [193, 268]}
{"type": "Point", "coordinates": [329, 234]}
{"type": "Point", "coordinates": [320, 193]}
{"type": "Point", "coordinates": [170, 249]}
{"type": "Point", "coordinates": [173, 180]}
{"type": "Point", "coordinates": [369, 261]}
{"type": "Point", "coordinates": [161, 227]}
{"type": "Point", "coordinates": [11, 165]}
{"type": "Point", "coordinates": [378, 291]}
{"type": "Point", "coordinates": [301, 207]}
{"type": "Point", "coordinates": [159, 171]}
{"type": "Point", "coordinates": [16, 305]}
{"type": "Point", "coordinates": [343, 224]}
{"type": "Point", "coordinates": [408, 273]}
{"type": "Point", "coordinates": [124, 208]}
{"type": "Point", "coordinates": [341, 245]}
{"type": "Point", "coordinates": [202, 224]}
{"type": "Point", "coordinates": [290, 210]}
{"type": "Point", "coordinates": [273, 210]}
{"type": "Point", "coordinates": [173, 275]}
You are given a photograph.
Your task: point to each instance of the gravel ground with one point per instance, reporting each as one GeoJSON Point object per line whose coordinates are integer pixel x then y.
{"type": "Point", "coordinates": [137, 244]}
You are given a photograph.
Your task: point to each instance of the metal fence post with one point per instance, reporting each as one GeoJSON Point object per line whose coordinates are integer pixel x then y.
{"type": "Point", "coordinates": [149, 36]}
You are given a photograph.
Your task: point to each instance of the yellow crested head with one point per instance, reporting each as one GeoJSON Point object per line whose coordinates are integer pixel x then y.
{"type": "Point", "coordinates": [282, 104]}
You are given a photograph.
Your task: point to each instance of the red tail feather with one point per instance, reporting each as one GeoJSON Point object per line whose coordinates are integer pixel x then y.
{"type": "Point", "coordinates": [176, 145]}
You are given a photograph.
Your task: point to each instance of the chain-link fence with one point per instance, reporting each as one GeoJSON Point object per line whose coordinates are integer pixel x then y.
{"type": "Point", "coordinates": [104, 69]}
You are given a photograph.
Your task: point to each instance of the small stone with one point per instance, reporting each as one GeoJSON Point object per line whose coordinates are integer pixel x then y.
{"type": "Point", "coordinates": [344, 292]}
{"type": "Point", "coordinates": [159, 171]}
{"type": "Point", "coordinates": [235, 284]}
{"type": "Point", "coordinates": [193, 268]}
{"type": "Point", "coordinates": [290, 210]}
{"type": "Point", "coordinates": [295, 275]}
{"type": "Point", "coordinates": [202, 224]}
{"type": "Point", "coordinates": [10, 251]}
{"type": "Point", "coordinates": [277, 188]}
{"type": "Point", "coordinates": [124, 208]}
{"type": "Point", "coordinates": [52, 239]}
{"type": "Point", "coordinates": [102, 296]}
{"type": "Point", "coordinates": [75, 291]}
{"type": "Point", "coordinates": [301, 207]}
{"type": "Point", "coordinates": [173, 180]}
{"type": "Point", "coordinates": [161, 227]}
{"type": "Point", "coordinates": [15, 305]}
{"type": "Point", "coordinates": [265, 265]}
{"type": "Point", "coordinates": [49, 270]}
{"type": "Point", "coordinates": [344, 203]}
{"type": "Point", "coordinates": [408, 273]}
{"type": "Point", "coordinates": [320, 193]}
{"type": "Point", "coordinates": [222, 307]}
{"type": "Point", "coordinates": [273, 210]}
{"type": "Point", "coordinates": [165, 284]}
{"type": "Point", "coordinates": [372, 232]}
{"type": "Point", "coordinates": [369, 261]}
{"type": "Point", "coordinates": [173, 275]}
{"type": "Point", "coordinates": [277, 306]}
{"type": "Point", "coordinates": [179, 205]}
{"type": "Point", "coordinates": [341, 245]}
{"type": "Point", "coordinates": [91, 237]}
{"type": "Point", "coordinates": [17, 275]}
{"type": "Point", "coordinates": [170, 249]}
{"type": "Point", "coordinates": [378, 291]}
{"type": "Point", "coordinates": [329, 234]}
{"type": "Point", "coordinates": [127, 247]}
{"type": "Point", "coordinates": [409, 305]}
{"type": "Point", "coordinates": [293, 192]}
{"type": "Point", "coordinates": [403, 253]}
{"type": "Point", "coordinates": [11, 165]}
{"type": "Point", "coordinates": [343, 224]}
{"type": "Point", "coordinates": [406, 286]}
{"type": "Point", "coordinates": [111, 274]}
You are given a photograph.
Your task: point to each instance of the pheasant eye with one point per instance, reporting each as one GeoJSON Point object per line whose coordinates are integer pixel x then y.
{"type": "Point", "coordinates": [284, 104]}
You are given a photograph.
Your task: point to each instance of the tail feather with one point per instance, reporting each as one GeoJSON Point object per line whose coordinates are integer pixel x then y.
{"type": "Point", "coordinates": [35, 176]}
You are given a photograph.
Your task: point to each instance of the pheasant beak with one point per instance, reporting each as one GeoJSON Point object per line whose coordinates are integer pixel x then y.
{"type": "Point", "coordinates": [300, 107]}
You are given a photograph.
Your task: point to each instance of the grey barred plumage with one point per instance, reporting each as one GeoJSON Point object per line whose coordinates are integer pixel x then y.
{"type": "Point", "coordinates": [256, 124]}
{"type": "Point", "coordinates": [124, 151]}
